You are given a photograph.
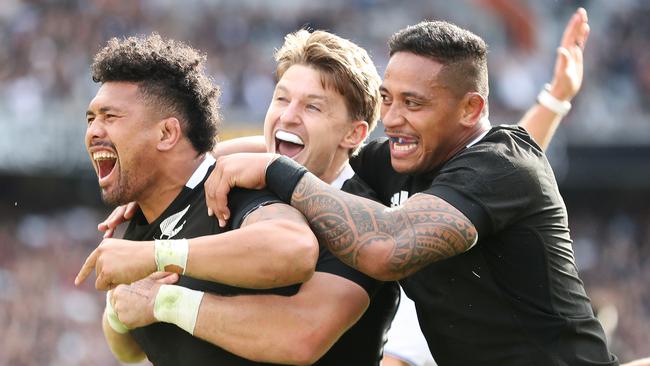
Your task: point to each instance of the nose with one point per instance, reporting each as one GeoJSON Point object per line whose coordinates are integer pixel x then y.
{"type": "Point", "coordinates": [391, 116]}
{"type": "Point", "coordinates": [95, 130]}
{"type": "Point", "coordinates": [291, 113]}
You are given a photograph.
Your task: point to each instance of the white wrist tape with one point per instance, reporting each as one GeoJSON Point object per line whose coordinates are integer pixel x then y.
{"type": "Point", "coordinates": [178, 305]}
{"type": "Point", "coordinates": [171, 255]}
{"type": "Point", "coordinates": [559, 107]}
{"type": "Point", "coordinates": [111, 316]}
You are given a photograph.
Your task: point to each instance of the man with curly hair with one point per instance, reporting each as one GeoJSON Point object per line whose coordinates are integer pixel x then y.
{"type": "Point", "coordinates": [150, 128]}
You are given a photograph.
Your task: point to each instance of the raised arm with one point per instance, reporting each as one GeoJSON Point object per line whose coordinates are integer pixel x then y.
{"type": "Point", "coordinates": [540, 120]}
{"type": "Point", "coordinates": [277, 231]}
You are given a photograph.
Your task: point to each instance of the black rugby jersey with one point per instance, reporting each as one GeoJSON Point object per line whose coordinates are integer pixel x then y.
{"type": "Point", "coordinates": [186, 217]}
{"type": "Point", "coordinates": [515, 298]}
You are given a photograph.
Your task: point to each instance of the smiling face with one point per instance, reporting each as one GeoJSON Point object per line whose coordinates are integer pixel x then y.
{"type": "Point", "coordinates": [421, 116]}
{"type": "Point", "coordinates": [308, 122]}
{"type": "Point", "coordinates": [120, 141]}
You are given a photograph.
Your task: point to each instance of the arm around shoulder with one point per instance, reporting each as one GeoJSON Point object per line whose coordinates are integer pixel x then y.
{"type": "Point", "coordinates": [274, 247]}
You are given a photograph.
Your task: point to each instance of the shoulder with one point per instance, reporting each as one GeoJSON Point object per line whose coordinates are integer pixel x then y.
{"type": "Point", "coordinates": [242, 202]}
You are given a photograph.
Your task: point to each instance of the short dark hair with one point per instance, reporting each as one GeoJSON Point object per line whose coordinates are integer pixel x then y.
{"type": "Point", "coordinates": [462, 53]}
{"type": "Point", "coordinates": [171, 75]}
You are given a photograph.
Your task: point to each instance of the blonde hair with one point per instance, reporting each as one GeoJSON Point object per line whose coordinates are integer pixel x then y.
{"type": "Point", "coordinates": [343, 65]}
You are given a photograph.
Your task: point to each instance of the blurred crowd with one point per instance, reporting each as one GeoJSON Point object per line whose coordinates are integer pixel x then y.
{"type": "Point", "coordinates": [46, 47]}
{"type": "Point", "coordinates": [47, 321]}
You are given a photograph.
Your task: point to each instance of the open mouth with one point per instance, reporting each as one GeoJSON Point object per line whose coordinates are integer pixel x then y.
{"type": "Point", "coordinates": [403, 144]}
{"type": "Point", "coordinates": [288, 144]}
{"type": "Point", "coordinates": [105, 161]}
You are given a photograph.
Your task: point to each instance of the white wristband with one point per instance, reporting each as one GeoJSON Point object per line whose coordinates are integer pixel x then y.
{"type": "Point", "coordinates": [178, 305]}
{"type": "Point", "coordinates": [171, 255]}
{"type": "Point", "coordinates": [111, 316]}
{"type": "Point", "coordinates": [559, 107]}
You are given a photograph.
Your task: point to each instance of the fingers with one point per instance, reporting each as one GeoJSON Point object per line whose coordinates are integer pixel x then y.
{"type": "Point", "coordinates": [109, 233]}
{"type": "Point", "coordinates": [169, 279]}
{"type": "Point", "coordinates": [87, 268]}
{"type": "Point", "coordinates": [216, 194]}
{"type": "Point", "coordinates": [130, 211]}
{"type": "Point", "coordinates": [576, 31]}
{"type": "Point", "coordinates": [160, 275]}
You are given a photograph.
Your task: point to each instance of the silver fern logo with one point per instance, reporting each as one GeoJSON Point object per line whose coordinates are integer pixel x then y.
{"type": "Point", "coordinates": [168, 227]}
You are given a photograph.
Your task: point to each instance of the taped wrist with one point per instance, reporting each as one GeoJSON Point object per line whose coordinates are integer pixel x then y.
{"type": "Point", "coordinates": [171, 255]}
{"type": "Point", "coordinates": [559, 107]}
{"type": "Point", "coordinates": [178, 305]}
{"type": "Point", "coordinates": [111, 316]}
{"type": "Point", "coordinates": [282, 177]}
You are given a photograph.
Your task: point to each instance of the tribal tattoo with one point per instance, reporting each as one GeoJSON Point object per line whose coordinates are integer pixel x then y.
{"type": "Point", "coordinates": [364, 233]}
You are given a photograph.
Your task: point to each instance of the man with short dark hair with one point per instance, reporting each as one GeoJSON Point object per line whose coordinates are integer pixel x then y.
{"type": "Point", "coordinates": [477, 233]}
{"type": "Point", "coordinates": [150, 128]}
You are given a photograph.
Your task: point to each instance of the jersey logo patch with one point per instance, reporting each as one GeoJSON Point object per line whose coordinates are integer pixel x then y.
{"type": "Point", "coordinates": [399, 198]}
{"type": "Point", "coordinates": [168, 227]}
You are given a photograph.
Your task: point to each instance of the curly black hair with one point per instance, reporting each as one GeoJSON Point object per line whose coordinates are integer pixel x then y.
{"type": "Point", "coordinates": [170, 74]}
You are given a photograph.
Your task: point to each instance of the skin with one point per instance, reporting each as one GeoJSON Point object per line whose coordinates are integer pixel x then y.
{"type": "Point", "coordinates": [421, 109]}
{"type": "Point", "coordinates": [302, 106]}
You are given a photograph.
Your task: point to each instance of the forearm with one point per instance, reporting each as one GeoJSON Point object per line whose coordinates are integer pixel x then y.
{"type": "Point", "coordinates": [265, 254]}
{"type": "Point", "coordinates": [384, 243]}
{"type": "Point", "coordinates": [123, 346]}
{"type": "Point", "coordinates": [240, 144]}
{"type": "Point", "coordinates": [541, 123]}
{"type": "Point", "coordinates": [296, 330]}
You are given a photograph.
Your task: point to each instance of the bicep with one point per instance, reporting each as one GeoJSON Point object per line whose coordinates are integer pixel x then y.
{"type": "Point", "coordinates": [334, 301]}
{"type": "Point", "coordinates": [429, 229]}
{"type": "Point", "coordinates": [274, 211]}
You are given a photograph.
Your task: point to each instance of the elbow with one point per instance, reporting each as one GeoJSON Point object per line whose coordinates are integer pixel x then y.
{"type": "Point", "coordinates": [310, 348]}
{"type": "Point", "coordinates": [300, 252]}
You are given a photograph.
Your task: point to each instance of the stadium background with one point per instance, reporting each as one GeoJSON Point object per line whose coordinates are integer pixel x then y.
{"type": "Point", "coordinates": [49, 201]}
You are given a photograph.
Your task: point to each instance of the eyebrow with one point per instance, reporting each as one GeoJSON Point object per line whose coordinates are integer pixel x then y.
{"type": "Point", "coordinates": [309, 96]}
{"type": "Point", "coordinates": [102, 110]}
{"type": "Point", "coordinates": [406, 94]}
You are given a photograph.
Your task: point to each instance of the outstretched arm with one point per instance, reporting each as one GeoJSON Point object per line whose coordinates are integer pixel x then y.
{"type": "Point", "coordinates": [540, 121]}
{"type": "Point", "coordinates": [275, 231]}
{"type": "Point", "coordinates": [294, 330]}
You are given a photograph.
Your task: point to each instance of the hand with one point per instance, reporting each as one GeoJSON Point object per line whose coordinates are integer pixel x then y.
{"type": "Point", "coordinates": [567, 77]}
{"type": "Point", "coordinates": [134, 303]}
{"type": "Point", "coordinates": [118, 261]}
{"type": "Point", "coordinates": [245, 170]}
{"type": "Point", "coordinates": [119, 215]}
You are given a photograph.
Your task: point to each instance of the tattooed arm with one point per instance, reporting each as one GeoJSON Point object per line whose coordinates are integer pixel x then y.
{"type": "Point", "coordinates": [385, 243]}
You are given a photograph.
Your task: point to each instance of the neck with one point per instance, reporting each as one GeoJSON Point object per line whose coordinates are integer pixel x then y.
{"type": "Point", "coordinates": [168, 183]}
{"type": "Point", "coordinates": [337, 165]}
{"type": "Point", "coordinates": [481, 127]}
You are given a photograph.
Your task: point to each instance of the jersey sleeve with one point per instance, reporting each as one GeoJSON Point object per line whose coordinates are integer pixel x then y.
{"type": "Point", "coordinates": [491, 184]}
{"type": "Point", "coordinates": [328, 263]}
{"type": "Point", "coordinates": [372, 162]}
{"type": "Point", "coordinates": [244, 201]}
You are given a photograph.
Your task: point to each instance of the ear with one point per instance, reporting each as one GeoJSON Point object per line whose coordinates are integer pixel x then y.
{"type": "Point", "coordinates": [355, 135]}
{"type": "Point", "coordinates": [170, 133]}
{"type": "Point", "coordinates": [473, 104]}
